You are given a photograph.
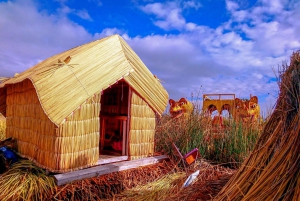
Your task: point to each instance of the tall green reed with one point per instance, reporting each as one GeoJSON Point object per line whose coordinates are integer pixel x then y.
{"type": "Point", "coordinates": [228, 145]}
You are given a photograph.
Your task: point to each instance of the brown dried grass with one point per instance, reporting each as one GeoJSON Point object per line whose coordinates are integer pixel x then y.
{"type": "Point", "coordinates": [161, 181]}
{"type": "Point", "coordinates": [208, 183]}
{"type": "Point", "coordinates": [105, 187]}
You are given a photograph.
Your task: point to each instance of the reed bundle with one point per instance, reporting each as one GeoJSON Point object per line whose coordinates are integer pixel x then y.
{"type": "Point", "coordinates": [25, 181]}
{"type": "Point", "coordinates": [272, 171]}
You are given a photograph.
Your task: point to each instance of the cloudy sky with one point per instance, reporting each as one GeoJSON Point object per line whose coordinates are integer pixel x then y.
{"type": "Point", "coordinates": [193, 46]}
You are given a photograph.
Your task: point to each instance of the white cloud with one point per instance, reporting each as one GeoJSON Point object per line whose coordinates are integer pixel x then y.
{"type": "Point", "coordinates": [83, 14]}
{"type": "Point", "coordinates": [28, 36]}
{"type": "Point", "coordinates": [157, 9]}
{"type": "Point", "coordinates": [231, 6]}
{"type": "Point", "coordinates": [191, 26]}
{"type": "Point", "coordinates": [236, 57]}
{"type": "Point", "coordinates": [191, 4]}
{"type": "Point", "coordinates": [168, 16]}
{"type": "Point", "coordinates": [64, 11]}
{"type": "Point", "coordinates": [240, 16]}
{"type": "Point", "coordinates": [274, 6]}
{"type": "Point", "coordinates": [172, 20]}
{"type": "Point", "coordinates": [108, 32]}
{"type": "Point", "coordinates": [187, 67]}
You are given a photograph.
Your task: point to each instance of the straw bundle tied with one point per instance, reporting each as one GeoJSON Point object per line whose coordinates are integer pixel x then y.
{"type": "Point", "coordinates": [272, 171]}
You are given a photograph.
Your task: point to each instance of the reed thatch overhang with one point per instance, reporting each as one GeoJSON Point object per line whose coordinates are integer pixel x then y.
{"type": "Point", "coordinates": [66, 80]}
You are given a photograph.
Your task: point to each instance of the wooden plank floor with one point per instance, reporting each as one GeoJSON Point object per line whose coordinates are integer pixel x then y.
{"type": "Point", "coordinates": [105, 169]}
{"type": "Point", "coordinates": [105, 159]}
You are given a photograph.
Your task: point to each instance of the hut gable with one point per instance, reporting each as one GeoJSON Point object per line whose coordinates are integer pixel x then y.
{"type": "Point", "coordinates": [65, 81]}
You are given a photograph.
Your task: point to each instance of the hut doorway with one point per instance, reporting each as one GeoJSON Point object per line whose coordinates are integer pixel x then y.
{"type": "Point", "coordinates": [114, 121]}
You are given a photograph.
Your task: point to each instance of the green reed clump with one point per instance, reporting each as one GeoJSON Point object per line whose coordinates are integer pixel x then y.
{"type": "Point", "coordinates": [231, 144]}
{"type": "Point", "coordinates": [228, 144]}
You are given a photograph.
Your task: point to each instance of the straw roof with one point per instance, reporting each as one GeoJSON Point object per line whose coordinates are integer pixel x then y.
{"type": "Point", "coordinates": [65, 81]}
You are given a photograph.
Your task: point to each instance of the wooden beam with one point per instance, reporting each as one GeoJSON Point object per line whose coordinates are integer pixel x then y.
{"type": "Point", "coordinates": [65, 178]}
{"type": "Point", "coordinates": [105, 159]}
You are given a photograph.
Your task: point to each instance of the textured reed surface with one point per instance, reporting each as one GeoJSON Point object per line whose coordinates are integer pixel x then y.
{"type": "Point", "coordinates": [53, 108]}
{"type": "Point", "coordinates": [25, 181]}
{"type": "Point", "coordinates": [142, 129]}
{"type": "Point", "coordinates": [77, 139]}
{"type": "Point", "coordinates": [72, 145]}
{"type": "Point", "coordinates": [272, 171]}
{"type": "Point", "coordinates": [63, 84]}
{"type": "Point", "coordinates": [2, 127]}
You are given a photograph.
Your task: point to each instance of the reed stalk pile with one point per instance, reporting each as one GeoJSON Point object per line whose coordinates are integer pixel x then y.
{"type": "Point", "coordinates": [272, 171]}
{"type": "Point", "coordinates": [25, 181]}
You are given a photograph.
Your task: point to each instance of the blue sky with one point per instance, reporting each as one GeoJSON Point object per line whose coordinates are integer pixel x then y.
{"type": "Point", "coordinates": [194, 47]}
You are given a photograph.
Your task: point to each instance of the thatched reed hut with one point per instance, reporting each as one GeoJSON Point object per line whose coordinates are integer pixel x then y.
{"type": "Point", "coordinates": [94, 99]}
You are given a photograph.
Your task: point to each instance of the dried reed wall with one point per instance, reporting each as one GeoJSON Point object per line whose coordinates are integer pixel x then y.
{"type": "Point", "coordinates": [78, 137]}
{"type": "Point", "coordinates": [72, 145]}
{"type": "Point", "coordinates": [142, 129]}
{"type": "Point", "coordinates": [27, 122]}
